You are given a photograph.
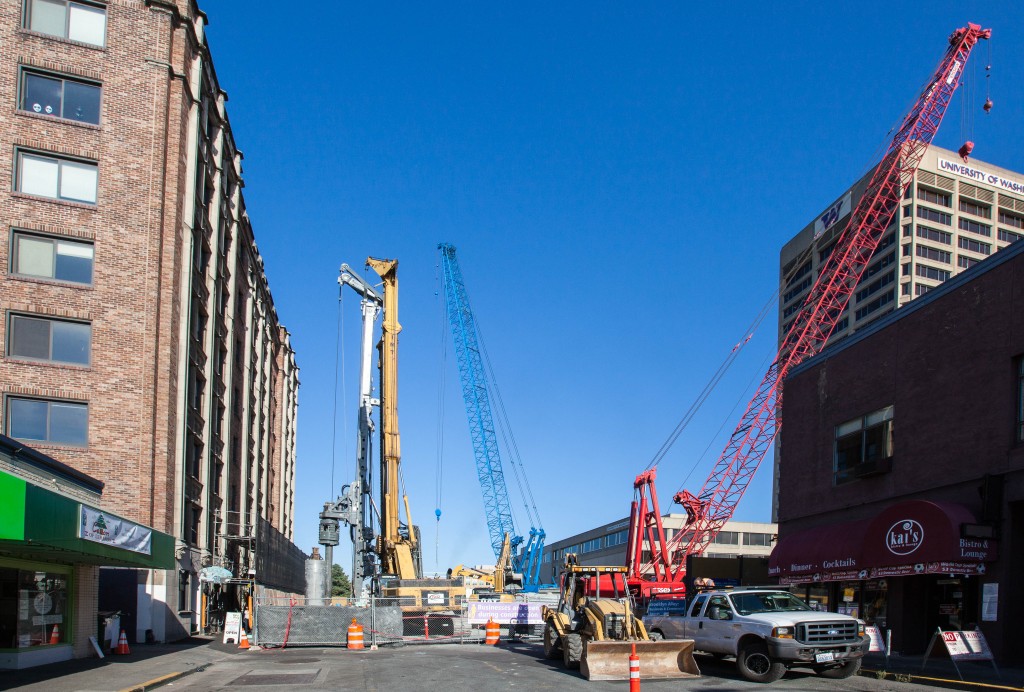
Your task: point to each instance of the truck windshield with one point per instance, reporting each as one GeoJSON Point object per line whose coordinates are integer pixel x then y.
{"type": "Point", "coordinates": [767, 602]}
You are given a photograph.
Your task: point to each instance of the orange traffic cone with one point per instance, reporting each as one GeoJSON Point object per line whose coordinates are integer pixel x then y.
{"type": "Point", "coordinates": [55, 635]}
{"type": "Point", "coordinates": [122, 644]}
{"type": "Point", "coordinates": [243, 643]}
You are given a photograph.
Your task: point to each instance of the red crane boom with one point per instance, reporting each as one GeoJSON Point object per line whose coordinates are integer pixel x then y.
{"type": "Point", "coordinates": [710, 509]}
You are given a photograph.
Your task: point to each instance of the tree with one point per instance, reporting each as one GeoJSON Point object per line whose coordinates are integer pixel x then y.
{"type": "Point", "coordinates": [340, 585]}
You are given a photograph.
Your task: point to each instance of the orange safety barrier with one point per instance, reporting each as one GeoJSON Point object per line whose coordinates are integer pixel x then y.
{"type": "Point", "coordinates": [493, 632]}
{"type": "Point", "coordinates": [122, 645]}
{"type": "Point", "coordinates": [243, 642]}
{"type": "Point", "coordinates": [355, 635]}
{"type": "Point", "coordinates": [55, 635]}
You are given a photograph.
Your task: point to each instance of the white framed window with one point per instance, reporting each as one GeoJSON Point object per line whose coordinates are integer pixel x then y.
{"type": "Point", "coordinates": [77, 21]}
{"type": "Point", "coordinates": [47, 339]}
{"type": "Point", "coordinates": [42, 420]}
{"type": "Point", "coordinates": [49, 257]}
{"type": "Point", "coordinates": [60, 97]}
{"type": "Point", "coordinates": [56, 178]}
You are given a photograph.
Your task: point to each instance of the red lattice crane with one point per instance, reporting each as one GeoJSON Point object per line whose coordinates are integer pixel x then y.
{"type": "Point", "coordinates": [714, 505]}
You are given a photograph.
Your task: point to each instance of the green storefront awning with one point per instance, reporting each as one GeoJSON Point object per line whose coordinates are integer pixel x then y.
{"type": "Point", "coordinates": [39, 524]}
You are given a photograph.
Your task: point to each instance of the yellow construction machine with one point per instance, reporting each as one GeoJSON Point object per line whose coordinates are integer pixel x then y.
{"type": "Point", "coordinates": [501, 583]}
{"type": "Point", "coordinates": [397, 545]}
{"type": "Point", "coordinates": [594, 628]}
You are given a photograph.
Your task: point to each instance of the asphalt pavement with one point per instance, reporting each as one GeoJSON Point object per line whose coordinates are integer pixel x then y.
{"type": "Point", "coordinates": [204, 663]}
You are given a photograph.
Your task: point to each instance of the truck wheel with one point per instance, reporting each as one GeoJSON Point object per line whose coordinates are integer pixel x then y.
{"type": "Point", "coordinates": [551, 646]}
{"type": "Point", "coordinates": [656, 635]}
{"type": "Point", "coordinates": [572, 650]}
{"type": "Point", "coordinates": [756, 665]}
{"type": "Point", "coordinates": [846, 670]}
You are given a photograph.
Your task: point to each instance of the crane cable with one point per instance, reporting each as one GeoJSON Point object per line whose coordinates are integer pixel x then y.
{"type": "Point", "coordinates": [442, 381]}
{"type": "Point", "coordinates": [711, 384]}
{"type": "Point", "coordinates": [796, 264]}
{"type": "Point", "coordinates": [508, 439]}
{"type": "Point", "coordinates": [744, 397]}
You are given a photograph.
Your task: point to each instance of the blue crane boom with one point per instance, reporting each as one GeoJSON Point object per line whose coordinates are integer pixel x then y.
{"type": "Point", "coordinates": [478, 405]}
{"type": "Point", "coordinates": [476, 395]}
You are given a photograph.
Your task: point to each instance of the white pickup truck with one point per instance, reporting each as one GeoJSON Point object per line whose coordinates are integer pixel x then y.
{"type": "Point", "coordinates": [767, 630]}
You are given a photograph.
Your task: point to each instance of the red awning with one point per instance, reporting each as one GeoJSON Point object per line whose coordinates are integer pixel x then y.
{"type": "Point", "coordinates": [832, 549]}
{"type": "Point", "coordinates": [926, 536]}
{"type": "Point", "coordinates": [910, 537]}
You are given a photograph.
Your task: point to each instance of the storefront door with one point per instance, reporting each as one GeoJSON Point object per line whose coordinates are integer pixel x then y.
{"type": "Point", "coordinates": [951, 603]}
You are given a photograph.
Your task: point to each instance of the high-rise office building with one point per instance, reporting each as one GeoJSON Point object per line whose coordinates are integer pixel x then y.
{"type": "Point", "coordinates": [140, 341]}
{"type": "Point", "coordinates": [953, 215]}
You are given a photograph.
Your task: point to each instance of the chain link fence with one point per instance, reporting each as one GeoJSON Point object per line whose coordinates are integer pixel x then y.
{"type": "Point", "coordinates": [296, 621]}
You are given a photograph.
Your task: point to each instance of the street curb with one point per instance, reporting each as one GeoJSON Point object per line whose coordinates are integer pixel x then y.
{"type": "Point", "coordinates": [162, 680]}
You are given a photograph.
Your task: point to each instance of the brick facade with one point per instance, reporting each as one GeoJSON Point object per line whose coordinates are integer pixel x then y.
{"type": "Point", "coordinates": [950, 365]}
{"type": "Point", "coordinates": [191, 382]}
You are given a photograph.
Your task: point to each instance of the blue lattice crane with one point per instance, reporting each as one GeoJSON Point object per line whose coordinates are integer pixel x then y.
{"type": "Point", "coordinates": [476, 393]}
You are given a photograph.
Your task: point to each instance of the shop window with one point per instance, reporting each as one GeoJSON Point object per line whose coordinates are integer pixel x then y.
{"type": "Point", "coordinates": [77, 21]}
{"type": "Point", "coordinates": [1009, 236]}
{"type": "Point", "coordinates": [983, 210]}
{"type": "Point", "coordinates": [935, 235]}
{"type": "Point", "coordinates": [49, 257]}
{"type": "Point", "coordinates": [934, 254]}
{"type": "Point", "coordinates": [849, 598]}
{"type": "Point", "coordinates": [1009, 219]}
{"type": "Point", "coordinates": [56, 422]}
{"type": "Point", "coordinates": [60, 97]}
{"type": "Point", "coordinates": [973, 245]}
{"type": "Point", "coordinates": [817, 597]}
{"type": "Point", "coordinates": [56, 178]}
{"type": "Point", "coordinates": [876, 601]}
{"type": "Point", "coordinates": [863, 446]}
{"type": "Point", "coordinates": [975, 227]}
{"type": "Point", "coordinates": [45, 339]}
{"type": "Point", "coordinates": [33, 608]}
{"type": "Point", "coordinates": [935, 216]}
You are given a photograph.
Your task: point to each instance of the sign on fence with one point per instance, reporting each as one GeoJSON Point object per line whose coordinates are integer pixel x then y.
{"type": "Point", "coordinates": [504, 613]}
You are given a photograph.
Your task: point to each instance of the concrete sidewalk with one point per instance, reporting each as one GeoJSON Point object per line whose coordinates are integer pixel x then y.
{"type": "Point", "coordinates": [146, 667]}
{"type": "Point", "coordinates": [941, 673]}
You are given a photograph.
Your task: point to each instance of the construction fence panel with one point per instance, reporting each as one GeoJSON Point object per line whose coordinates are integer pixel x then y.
{"type": "Point", "coordinates": [281, 622]}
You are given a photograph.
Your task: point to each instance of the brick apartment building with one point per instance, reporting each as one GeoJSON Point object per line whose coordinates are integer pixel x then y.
{"type": "Point", "coordinates": [140, 344]}
{"type": "Point", "coordinates": [901, 493]}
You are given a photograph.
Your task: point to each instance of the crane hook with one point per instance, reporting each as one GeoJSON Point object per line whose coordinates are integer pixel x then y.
{"type": "Point", "coordinates": [988, 106]}
{"type": "Point", "coordinates": [965, 150]}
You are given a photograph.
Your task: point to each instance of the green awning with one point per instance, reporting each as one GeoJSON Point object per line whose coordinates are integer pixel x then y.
{"type": "Point", "coordinates": [39, 524]}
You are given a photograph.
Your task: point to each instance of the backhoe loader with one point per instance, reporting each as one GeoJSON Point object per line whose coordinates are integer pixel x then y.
{"type": "Point", "coordinates": [594, 628]}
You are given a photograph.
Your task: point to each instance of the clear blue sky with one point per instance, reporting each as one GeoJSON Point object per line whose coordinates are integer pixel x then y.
{"type": "Point", "coordinates": [618, 179]}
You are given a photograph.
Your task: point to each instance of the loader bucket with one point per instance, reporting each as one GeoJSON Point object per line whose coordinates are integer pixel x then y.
{"type": "Point", "coordinates": [609, 660]}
